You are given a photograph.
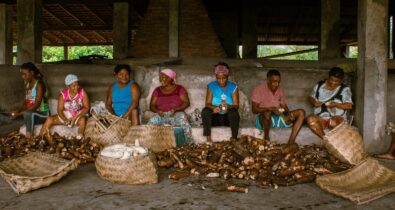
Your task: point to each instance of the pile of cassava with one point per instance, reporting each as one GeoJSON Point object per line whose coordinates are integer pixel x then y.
{"type": "Point", "coordinates": [16, 145]}
{"type": "Point", "coordinates": [250, 158]}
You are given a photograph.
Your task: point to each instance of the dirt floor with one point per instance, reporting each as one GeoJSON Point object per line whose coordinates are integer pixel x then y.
{"type": "Point", "coordinates": [83, 189]}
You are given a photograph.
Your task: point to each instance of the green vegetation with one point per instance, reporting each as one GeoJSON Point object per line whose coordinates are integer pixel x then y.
{"type": "Point", "coordinates": [75, 52]}
{"type": "Point", "coordinates": [268, 50]}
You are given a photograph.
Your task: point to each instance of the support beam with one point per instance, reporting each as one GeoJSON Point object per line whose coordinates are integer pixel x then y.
{"type": "Point", "coordinates": [65, 52]}
{"type": "Point", "coordinates": [330, 29]}
{"type": "Point", "coordinates": [249, 31]}
{"type": "Point", "coordinates": [121, 31]}
{"type": "Point", "coordinates": [174, 17]}
{"type": "Point", "coordinates": [5, 34]}
{"type": "Point", "coordinates": [371, 99]}
{"type": "Point", "coordinates": [29, 31]}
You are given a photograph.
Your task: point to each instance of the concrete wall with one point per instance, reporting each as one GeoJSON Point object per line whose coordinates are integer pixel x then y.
{"type": "Point", "coordinates": [193, 74]}
{"type": "Point", "coordinates": [297, 83]}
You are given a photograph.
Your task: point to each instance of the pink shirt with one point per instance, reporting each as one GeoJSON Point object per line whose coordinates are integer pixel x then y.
{"type": "Point", "coordinates": [263, 96]}
{"type": "Point", "coordinates": [167, 102]}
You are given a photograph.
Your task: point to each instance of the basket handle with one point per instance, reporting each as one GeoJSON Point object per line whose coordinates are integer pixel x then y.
{"type": "Point", "coordinates": [98, 122]}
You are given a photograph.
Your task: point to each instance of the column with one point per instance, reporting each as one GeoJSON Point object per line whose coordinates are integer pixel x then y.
{"type": "Point", "coordinates": [249, 33]}
{"type": "Point", "coordinates": [121, 32]}
{"type": "Point", "coordinates": [29, 31]}
{"type": "Point", "coordinates": [371, 98]}
{"type": "Point", "coordinates": [5, 34]}
{"type": "Point", "coordinates": [330, 29]}
{"type": "Point", "coordinates": [174, 16]}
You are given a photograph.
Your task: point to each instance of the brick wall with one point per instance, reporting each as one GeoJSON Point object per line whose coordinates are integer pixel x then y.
{"type": "Point", "coordinates": [197, 36]}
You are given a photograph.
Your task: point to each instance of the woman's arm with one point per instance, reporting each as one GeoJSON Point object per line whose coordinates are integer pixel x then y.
{"type": "Point", "coordinates": [60, 108]}
{"type": "Point", "coordinates": [345, 106]}
{"type": "Point", "coordinates": [209, 98]}
{"type": "Point", "coordinates": [135, 89]}
{"type": "Point", "coordinates": [185, 103]}
{"type": "Point", "coordinates": [256, 109]}
{"type": "Point", "coordinates": [109, 100]}
{"type": "Point", "coordinates": [235, 99]}
{"type": "Point", "coordinates": [313, 101]}
{"type": "Point", "coordinates": [85, 109]}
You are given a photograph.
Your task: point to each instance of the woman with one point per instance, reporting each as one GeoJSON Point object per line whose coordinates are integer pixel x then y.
{"type": "Point", "coordinates": [35, 108]}
{"type": "Point", "coordinates": [73, 105]}
{"type": "Point", "coordinates": [169, 101]}
{"type": "Point", "coordinates": [123, 96]}
{"type": "Point", "coordinates": [222, 103]}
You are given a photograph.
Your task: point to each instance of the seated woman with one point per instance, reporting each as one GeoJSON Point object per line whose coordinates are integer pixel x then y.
{"type": "Point", "coordinates": [222, 103]}
{"type": "Point", "coordinates": [35, 108]}
{"type": "Point", "coordinates": [169, 101]}
{"type": "Point", "coordinates": [73, 105]}
{"type": "Point", "coordinates": [123, 96]}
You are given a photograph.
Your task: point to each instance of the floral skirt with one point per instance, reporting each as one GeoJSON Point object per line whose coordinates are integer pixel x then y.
{"type": "Point", "coordinates": [178, 119]}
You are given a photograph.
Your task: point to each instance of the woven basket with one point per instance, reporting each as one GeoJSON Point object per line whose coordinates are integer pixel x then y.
{"type": "Point", "coordinates": [135, 170]}
{"type": "Point", "coordinates": [34, 170]}
{"type": "Point", "coordinates": [156, 138]}
{"type": "Point", "coordinates": [112, 133]}
{"type": "Point", "coordinates": [345, 143]}
{"type": "Point", "coordinates": [365, 182]}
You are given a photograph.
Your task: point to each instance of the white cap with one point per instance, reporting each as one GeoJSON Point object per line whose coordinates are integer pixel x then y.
{"type": "Point", "coordinates": [70, 78]}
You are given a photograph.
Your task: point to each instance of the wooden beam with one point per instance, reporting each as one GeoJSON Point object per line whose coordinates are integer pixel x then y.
{"type": "Point", "coordinates": [94, 14]}
{"type": "Point", "coordinates": [54, 16]}
{"type": "Point", "coordinates": [78, 28]}
{"type": "Point", "coordinates": [82, 36]}
{"type": "Point", "coordinates": [49, 34]}
{"type": "Point", "coordinates": [67, 37]}
{"type": "Point", "coordinates": [99, 35]}
{"type": "Point", "coordinates": [71, 14]}
{"type": "Point", "coordinates": [291, 53]}
{"type": "Point", "coordinates": [83, 44]}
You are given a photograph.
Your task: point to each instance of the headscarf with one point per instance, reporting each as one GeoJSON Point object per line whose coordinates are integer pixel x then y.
{"type": "Point", "coordinates": [170, 73]}
{"type": "Point", "coordinates": [221, 69]}
{"type": "Point", "coordinates": [70, 79]}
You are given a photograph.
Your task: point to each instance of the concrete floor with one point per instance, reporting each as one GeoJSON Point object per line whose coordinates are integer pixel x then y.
{"type": "Point", "coordinates": [83, 189]}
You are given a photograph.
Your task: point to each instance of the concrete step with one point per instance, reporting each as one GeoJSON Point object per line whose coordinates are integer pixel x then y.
{"type": "Point", "coordinates": [279, 135]}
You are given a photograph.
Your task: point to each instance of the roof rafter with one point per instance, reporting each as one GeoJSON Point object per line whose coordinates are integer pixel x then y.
{"type": "Point", "coordinates": [54, 16]}
{"type": "Point", "coordinates": [82, 36]}
{"type": "Point", "coordinates": [95, 15]}
{"type": "Point", "coordinates": [71, 14]}
{"type": "Point", "coordinates": [99, 35]}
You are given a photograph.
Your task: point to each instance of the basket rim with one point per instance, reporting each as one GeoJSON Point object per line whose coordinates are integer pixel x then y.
{"type": "Point", "coordinates": [68, 163]}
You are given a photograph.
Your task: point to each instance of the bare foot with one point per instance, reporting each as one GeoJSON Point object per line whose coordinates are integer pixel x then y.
{"type": "Point", "coordinates": [387, 156]}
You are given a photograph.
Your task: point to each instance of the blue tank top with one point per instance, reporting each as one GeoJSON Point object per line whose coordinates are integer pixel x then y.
{"type": "Point", "coordinates": [121, 98]}
{"type": "Point", "coordinates": [219, 93]}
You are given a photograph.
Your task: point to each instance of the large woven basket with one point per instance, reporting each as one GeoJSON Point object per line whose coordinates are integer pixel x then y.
{"type": "Point", "coordinates": [105, 134]}
{"type": "Point", "coordinates": [345, 143]}
{"type": "Point", "coordinates": [34, 170]}
{"type": "Point", "coordinates": [156, 138]}
{"type": "Point", "coordinates": [135, 170]}
{"type": "Point", "coordinates": [365, 182]}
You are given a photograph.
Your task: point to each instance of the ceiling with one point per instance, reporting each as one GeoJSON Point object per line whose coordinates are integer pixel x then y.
{"type": "Point", "coordinates": [89, 22]}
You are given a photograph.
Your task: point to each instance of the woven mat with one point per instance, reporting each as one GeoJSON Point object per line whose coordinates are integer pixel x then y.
{"type": "Point", "coordinates": [367, 181]}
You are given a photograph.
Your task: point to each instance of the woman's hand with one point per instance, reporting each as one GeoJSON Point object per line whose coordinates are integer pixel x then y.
{"type": "Point", "coordinates": [331, 104]}
{"type": "Point", "coordinates": [14, 115]}
{"type": "Point", "coordinates": [317, 103]}
{"type": "Point", "coordinates": [160, 113]}
{"type": "Point", "coordinates": [216, 109]}
{"type": "Point", "coordinates": [171, 112]}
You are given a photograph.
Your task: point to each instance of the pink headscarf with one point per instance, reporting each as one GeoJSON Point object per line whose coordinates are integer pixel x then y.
{"type": "Point", "coordinates": [221, 69]}
{"type": "Point", "coordinates": [170, 73]}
